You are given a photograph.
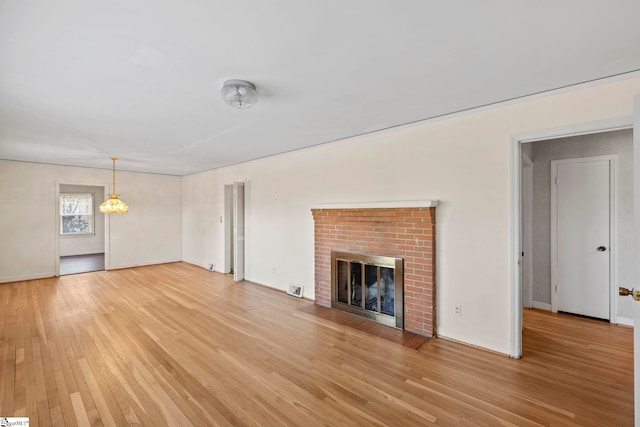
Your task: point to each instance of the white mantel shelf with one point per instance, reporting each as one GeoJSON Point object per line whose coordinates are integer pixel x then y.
{"type": "Point", "coordinates": [379, 205]}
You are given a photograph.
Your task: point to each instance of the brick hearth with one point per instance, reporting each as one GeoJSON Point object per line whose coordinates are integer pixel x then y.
{"type": "Point", "coordinates": [407, 233]}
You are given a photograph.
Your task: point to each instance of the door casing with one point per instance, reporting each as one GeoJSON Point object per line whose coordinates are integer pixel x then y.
{"type": "Point", "coordinates": [107, 232]}
{"type": "Point", "coordinates": [234, 230]}
{"type": "Point", "coordinates": [238, 231]}
{"type": "Point", "coordinates": [515, 170]}
{"type": "Point", "coordinates": [527, 232]}
{"type": "Point", "coordinates": [228, 229]}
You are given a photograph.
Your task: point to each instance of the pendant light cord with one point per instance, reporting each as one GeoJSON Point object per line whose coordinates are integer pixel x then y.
{"type": "Point", "coordinates": [114, 174]}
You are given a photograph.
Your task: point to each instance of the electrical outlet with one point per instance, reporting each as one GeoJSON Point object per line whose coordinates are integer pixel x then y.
{"type": "Point", "coordinates": [458, 310]}
{"type": "Point", "coordinates": [274, 270]}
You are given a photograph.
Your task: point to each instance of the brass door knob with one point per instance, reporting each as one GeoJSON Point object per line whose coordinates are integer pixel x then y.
{"type": "Point", "coordinates": [630, 292]}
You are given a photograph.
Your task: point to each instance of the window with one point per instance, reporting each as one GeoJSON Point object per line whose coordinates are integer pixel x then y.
{"type": "Point", "coordinates": [76, 214]}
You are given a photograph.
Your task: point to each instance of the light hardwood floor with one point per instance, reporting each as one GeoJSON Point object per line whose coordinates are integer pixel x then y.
{"type": "Point", "coordinates": [177, 345]}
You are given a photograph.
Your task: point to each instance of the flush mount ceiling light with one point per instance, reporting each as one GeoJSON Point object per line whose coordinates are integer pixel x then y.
{"type": "Point", "coordinates": [114, 204]}
{"type": "Point", "coordinates": [239, 94]}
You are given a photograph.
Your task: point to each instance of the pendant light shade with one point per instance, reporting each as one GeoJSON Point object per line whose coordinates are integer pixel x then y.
{"type": "Point", "coordinates": [114, 204]}
{"type": "Point", "coordinates": [239, 94]}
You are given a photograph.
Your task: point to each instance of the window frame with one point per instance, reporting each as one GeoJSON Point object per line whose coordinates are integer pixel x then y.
{"type": "Point", "coordinates": [91, 215]}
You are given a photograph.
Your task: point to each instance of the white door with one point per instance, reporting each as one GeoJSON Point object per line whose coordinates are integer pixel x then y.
{"type": "Point", "coordinates": [238, 231]}
{"type": "Point", "coordinates": [582, 231]}
{"type": "Point", "coordinates": [636, 248]}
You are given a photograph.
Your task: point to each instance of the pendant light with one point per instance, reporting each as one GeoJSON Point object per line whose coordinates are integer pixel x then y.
{"type": "Point", "coordinates": [114, 204]}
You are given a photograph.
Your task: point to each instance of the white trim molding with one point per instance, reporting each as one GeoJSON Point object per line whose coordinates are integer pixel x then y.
{"type": "Point", "coordinates": [541, 305]}
{"type": "Point", "coordinates": [145, 263]}
{"type": "Point", "coordinates": [599, 126]}
{"type": "Point", "coordinates": [26, 277]}
{"type": "Point", "coordinates": [379, 205]}
{"type": "Point", "coordinates": [625, 321]}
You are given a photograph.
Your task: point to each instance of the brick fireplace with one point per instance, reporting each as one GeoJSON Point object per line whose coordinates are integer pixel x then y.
{"type": "Point", "coordinates": [399, 232]}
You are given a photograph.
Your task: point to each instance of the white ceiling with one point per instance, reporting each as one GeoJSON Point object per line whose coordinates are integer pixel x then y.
{"type": "Point", "coordinates": [81, 81]}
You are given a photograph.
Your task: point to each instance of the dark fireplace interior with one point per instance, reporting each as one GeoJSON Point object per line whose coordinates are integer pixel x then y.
{"type": "Point", "coordinates": [368, 285]}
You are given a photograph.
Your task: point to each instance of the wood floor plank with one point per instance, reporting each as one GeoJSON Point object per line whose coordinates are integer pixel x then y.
{"type": "Point", "coordinates": [8, 364]}
{"type": "Point", "coordinates": [62, 389]}
{"type": "Point", "coordinates": [78, 408]}
{"type": "Point", "coordinates": [175, 344]}
{"type": "Point", "coordinates": [98, 397]}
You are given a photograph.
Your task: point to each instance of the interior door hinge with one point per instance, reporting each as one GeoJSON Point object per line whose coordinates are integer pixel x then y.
{"type": "Point", "coordinates": [556, 180]}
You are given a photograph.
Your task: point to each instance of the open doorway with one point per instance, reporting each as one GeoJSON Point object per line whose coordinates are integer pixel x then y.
{"type": "Point", "coordinates": [581, 219]}
{"type": "Point", "coordinates": [81, 229]}
{"type": "Point", "coordinates": [234, 230]}
{"type": "Point", "coordinates": [607, 138]}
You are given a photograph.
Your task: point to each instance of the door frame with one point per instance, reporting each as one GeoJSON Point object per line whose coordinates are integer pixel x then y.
{"type": "Point", "coordinates": [105, 196]}
{"type": "Point", "coordinates": [527, 238]}
{"type": "Point", "coordinates": [613, 300]}
{"type": "Point", "coordinates": [515, 172]}
{"type": "Point", "coordinates": [235, 245]}
{"type": "Point", "coordinates": [228, 229]}
{"type": "Point", "coordinates": [238, 231]}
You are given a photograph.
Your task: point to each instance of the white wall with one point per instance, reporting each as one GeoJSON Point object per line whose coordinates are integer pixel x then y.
{"type": "Point", "coordinates": [461, 160]}
{"type": "Point", "coordinates": [617, 142]}
{"type": "Point", "coordinates": [150, 233]}
{"type": "Point", "coordinates": [85, 244]}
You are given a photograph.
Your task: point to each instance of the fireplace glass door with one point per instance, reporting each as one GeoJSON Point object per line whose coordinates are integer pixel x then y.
{"type": "Point", "coordinates": [368, 285]}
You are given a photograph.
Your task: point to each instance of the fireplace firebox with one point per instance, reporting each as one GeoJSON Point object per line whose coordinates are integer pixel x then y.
{"type": "Point", "coordinates": [370, 286]}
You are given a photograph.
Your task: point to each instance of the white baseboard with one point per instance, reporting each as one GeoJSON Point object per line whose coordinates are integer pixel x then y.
{"type": "Point", "coordinates": [27, 277]}
{"type": "Point", "coordinates": [625, 321]}
{"type": "Point", "coordinates": [142, 264]}
{"type": "Point", "coordinates": [541, 305]}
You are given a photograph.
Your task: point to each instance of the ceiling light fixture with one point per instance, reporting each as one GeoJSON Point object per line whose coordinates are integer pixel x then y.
{"type": "Point", "coordinates": [114, 204]}
{"type": "Point", "coordinates": [239, 94]}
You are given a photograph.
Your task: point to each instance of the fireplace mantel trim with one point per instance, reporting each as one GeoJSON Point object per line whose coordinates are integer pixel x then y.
{"type": "Point", "coordinates": [379, 205]}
